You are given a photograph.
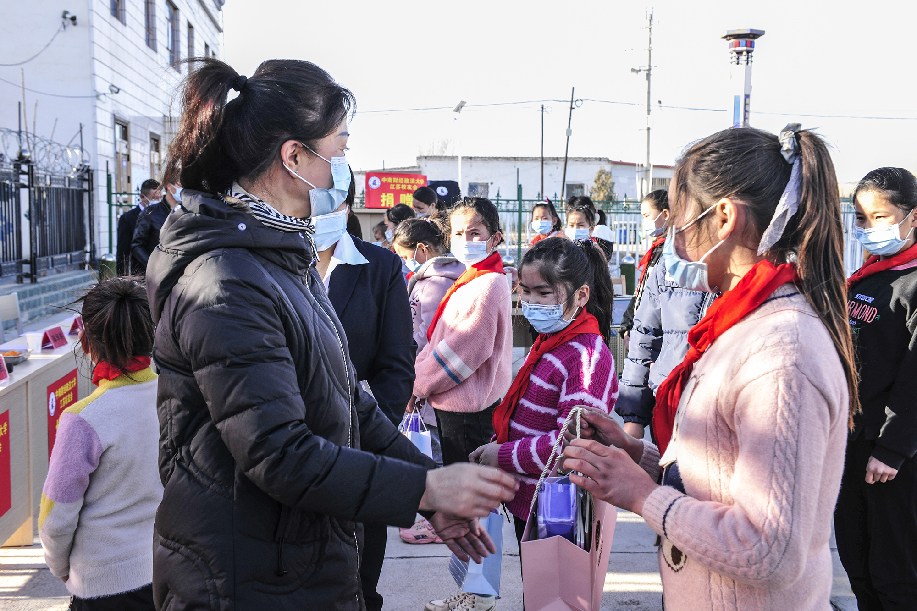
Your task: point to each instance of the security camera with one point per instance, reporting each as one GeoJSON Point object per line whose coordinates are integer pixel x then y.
{"type": "Point", "coordinates": [66, 15]}
{"type": "Point", "coordinates": [114, 90]}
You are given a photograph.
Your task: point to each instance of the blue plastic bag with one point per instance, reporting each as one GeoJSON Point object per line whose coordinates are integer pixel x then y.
{"type": "Point", "coordinates": [556, 512]}
{"type": "Point", "coordinates": [482, 579]}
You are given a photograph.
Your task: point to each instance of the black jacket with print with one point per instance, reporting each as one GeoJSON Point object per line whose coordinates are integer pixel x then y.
{"type": "Point", "coordinates": [882, 309]}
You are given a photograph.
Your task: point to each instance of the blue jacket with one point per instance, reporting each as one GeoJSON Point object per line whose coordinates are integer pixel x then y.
{"type": "Point", "coordinates": [659, 339]}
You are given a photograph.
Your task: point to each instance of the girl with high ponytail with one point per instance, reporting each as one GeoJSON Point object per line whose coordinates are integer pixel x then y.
{"type": "Point", "coordinates": [566, 294]}
{"type": "Point", "coordinates": [752, 424]}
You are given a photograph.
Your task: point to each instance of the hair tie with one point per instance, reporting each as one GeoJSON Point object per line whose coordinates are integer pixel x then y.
{"type": "Point", "coordinates": [789, 199]}
{"type": "Point", "coordinates": [789, 148]}
{"type": "Point", "coordinates": [239, 82]}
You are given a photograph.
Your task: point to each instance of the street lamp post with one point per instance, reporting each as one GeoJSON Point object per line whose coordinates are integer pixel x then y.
{"type": "Point", "coordinates": [458, 147]}
{"type": "Point", "coordinates": [741, 46]}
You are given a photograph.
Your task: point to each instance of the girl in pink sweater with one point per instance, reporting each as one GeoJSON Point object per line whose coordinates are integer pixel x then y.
{"type": "Point", "coordinates": [565, 292]}
{"type": "Point", "coordinates": [753, 423]}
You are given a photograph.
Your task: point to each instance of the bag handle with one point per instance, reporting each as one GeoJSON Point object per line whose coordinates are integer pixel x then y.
{"type": "Point", "coordinates": [554, 457]}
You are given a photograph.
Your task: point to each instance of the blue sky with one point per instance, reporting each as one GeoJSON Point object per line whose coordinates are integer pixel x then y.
{"type": "Point", "coordinates": [816, 58]}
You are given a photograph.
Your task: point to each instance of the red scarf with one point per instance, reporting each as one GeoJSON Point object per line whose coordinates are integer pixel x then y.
{"type": "Point", "coordinates": [107, 371]}
{"type": "Point", "coordinates": [584, 323]}
{"type": "Point", "coordinates": [491, 265]}
{"type": "Point", "coordinates": [752, 290]}
{"type": "Point", "coordinates": [875, 265]}
{"type": "Point", "coordinates": [645, 261]}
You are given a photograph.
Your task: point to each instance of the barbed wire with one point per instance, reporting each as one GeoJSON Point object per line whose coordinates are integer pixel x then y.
{"type": "Point", "coordinates": [48, 156]}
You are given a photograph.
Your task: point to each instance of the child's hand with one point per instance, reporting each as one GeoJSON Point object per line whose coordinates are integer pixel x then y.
{"type": "Point", "coordinates": [487, 455]}
{"type": "Point", "coordinates": [410, 408]}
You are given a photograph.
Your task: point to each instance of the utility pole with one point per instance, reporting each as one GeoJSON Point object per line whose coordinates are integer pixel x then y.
{"type": "Point", "coordinates": [541, 193]}
{"type": "Point", "coordinates": [647, 184]}
{"type": "Point", "coordinates": [563, 182]}
{"type": "Point", "coordinates": [458, 112]}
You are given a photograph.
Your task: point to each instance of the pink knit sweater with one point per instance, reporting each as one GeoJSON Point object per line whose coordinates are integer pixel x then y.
{"type": "Point", "coordinates": [467, 366]}
{"type": "Point", "coordinates": [579, 372]}
{"type": "Point", "coordinates": [760, 446]}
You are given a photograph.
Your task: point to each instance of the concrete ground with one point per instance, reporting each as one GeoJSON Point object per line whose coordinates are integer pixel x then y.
{"type": "Point", "coordinates": [414, 574]}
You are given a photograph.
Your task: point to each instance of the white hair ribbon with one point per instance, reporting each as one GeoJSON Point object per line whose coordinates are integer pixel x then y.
{"type": "Point", "coordinates": [789, 199]}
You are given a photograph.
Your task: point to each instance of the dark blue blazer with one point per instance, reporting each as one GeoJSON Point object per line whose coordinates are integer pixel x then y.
{"type": "Point", "coordinates": [372, 303]}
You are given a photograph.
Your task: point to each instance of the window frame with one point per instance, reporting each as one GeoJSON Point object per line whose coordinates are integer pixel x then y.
{"type": "Point", "coordinates": [173, 35]}
{"type": "Point", "coordinates": [149, 17]}
{"type": "Point", "coordinates": [117, 10]}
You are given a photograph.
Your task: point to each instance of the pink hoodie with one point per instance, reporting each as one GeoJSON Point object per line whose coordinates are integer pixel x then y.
{"type": "Point", "coordinates": [467, 366]}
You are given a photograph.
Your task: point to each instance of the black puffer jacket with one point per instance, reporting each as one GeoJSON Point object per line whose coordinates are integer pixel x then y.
{"type": "Point", "coordinates": [146, 232]}
{"type": "Point", "coordinates": [261, 424]}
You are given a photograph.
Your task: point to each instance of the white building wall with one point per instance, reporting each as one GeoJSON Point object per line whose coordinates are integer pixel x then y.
{"type": "Point", "coordinates": [84, 60]}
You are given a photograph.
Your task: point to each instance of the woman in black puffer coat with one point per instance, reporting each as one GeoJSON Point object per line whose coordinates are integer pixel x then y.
{"type": "Point", "coordinates": [270, 453]}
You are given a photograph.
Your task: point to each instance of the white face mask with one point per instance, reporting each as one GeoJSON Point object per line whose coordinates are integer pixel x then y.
{"type": "Point", "coordinates": [329, 228]}
{"type": "Point", "coordinates": [691, 275]}
{"type": "Point", "coordinates": [649, 227]}
{"type": "Point", "coordinates": [469, 253]}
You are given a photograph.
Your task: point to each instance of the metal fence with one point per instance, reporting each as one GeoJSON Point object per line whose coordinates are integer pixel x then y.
{"type": "Point", "coordinates": [52, 229]}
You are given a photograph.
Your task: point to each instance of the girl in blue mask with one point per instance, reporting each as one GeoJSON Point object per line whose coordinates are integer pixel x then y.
{"type": "Point", "coordinates": [875, 521]}
{"type": "Point", "coordinates": [545, 223]}
{"type": "Point", "coordinates": [566, 294]}
{"type": "Point", "coordinates": [582, 218]}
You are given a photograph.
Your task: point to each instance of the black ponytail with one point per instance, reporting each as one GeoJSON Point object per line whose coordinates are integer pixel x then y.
{"type": "Point", "coordinates": [568, 264]}
{"type": "Point", "coordinates": [117, 325]}
{"type": "Point", "coordinates": [218, 142]}
{"type": "Point", "coordinates": [431, 231]}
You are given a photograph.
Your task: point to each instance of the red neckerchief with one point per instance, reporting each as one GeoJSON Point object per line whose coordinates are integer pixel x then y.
{"type": "Point", "coordinates": [752, 290]}
{"type": "Point", "coordinates": [107, 371]}
{"type": "Point", "coordinates": [874, 265]}
{"type": "Point", "coordinates": [584, 323]}
{"type": "Point", "coordinates": [645, 261]}
{"type": "Point", "coordinates": [491, 265]}
{"type": "Point", "coordinates": [409, 276]}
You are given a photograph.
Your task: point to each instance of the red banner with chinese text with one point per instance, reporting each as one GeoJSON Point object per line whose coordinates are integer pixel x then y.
{"type": "Point", "coordinates": [6, 478]}
{"type": "Point", "coordinates": [61, 395]}
{"type": "Point", "coordinates": [386, 189]}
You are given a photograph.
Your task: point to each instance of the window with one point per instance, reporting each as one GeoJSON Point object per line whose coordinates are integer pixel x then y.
{"type": "Point", "coordinates": [122, 159]}
{"type": "Point", "coordinates": [117, 10]}
{"type": "Point", "coordinates": [575, 189]}
{"type": "Point", "coordinates": [190, 41]}
{"type": "Point", "coordinates": [155, 156]}
{"type": "Point", "coordinates": [661, 183]}
{"type": "Point", "coordinates": [172, 35]}
{"type": "Point", "coordinates": [478, 189]}
{"type": "Point", "coordinates": [206, 50]}
{"type": "Point", "coordinates": [149, 22]}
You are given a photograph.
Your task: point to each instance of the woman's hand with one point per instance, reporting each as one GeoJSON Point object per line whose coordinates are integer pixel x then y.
{"type": "Point", "coordinates": [467, 491]}
{"type": "Point", "coordinates": [878, 471]}
{"type": "Point", "coordinates": [599, 426]}
{"type": "Point", "coordinates": [465, 538]}
{"type": "Point", "coordinates": [608, 473]}
{"type": "Point", "coordinates": [487, 455]}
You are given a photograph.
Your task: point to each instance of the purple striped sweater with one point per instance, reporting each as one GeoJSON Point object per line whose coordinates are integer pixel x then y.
{"type": "Point", "coordinates": [579, 372]}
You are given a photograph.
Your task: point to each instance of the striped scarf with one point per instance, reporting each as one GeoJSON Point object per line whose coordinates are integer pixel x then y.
{"type": "Point", "coordinates": [268, 215]}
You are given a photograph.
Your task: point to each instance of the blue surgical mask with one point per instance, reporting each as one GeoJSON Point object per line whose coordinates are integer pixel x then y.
{"type": "Point", "coordinates": [177, 194]}
{"type": "Point", "coordinates": [469, 253]}
{"type": "Point", "coordinates": [329, 228]}
{"type": "Point", "coordinates": [577, 234]}
{"type": "Point", "coordinates": [691, 275]}
{"type": "Point", "coordinates": [543, 226]}
{"type": "Point", "coordinates": [885, 240]}
{"type": "Point", "coordinates": [325, 201]}
{"type": "Point", "coordinates": [413, 265]}
{"type": "Point", "coordinates": [389, 235]}
{"type": "Point", "coordinates": [546, 318]}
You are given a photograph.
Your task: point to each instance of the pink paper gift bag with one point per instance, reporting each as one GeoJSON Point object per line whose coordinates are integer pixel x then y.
{"type": "Point", "coordinates": [558, 575]}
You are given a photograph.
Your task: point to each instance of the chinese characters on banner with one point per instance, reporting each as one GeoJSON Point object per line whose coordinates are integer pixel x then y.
{"type": "Point", "coordinates": [61, 395]}
{"type": "Point", "coordinates": [384, 190]}
{"type": "Point", "coordinates": [6, 482]}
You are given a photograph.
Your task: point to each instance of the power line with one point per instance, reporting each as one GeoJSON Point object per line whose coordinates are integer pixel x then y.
{"type": "Point", "coordinates": [62, 28]}
{"type": "Point", "coordinates": [53, 95]}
